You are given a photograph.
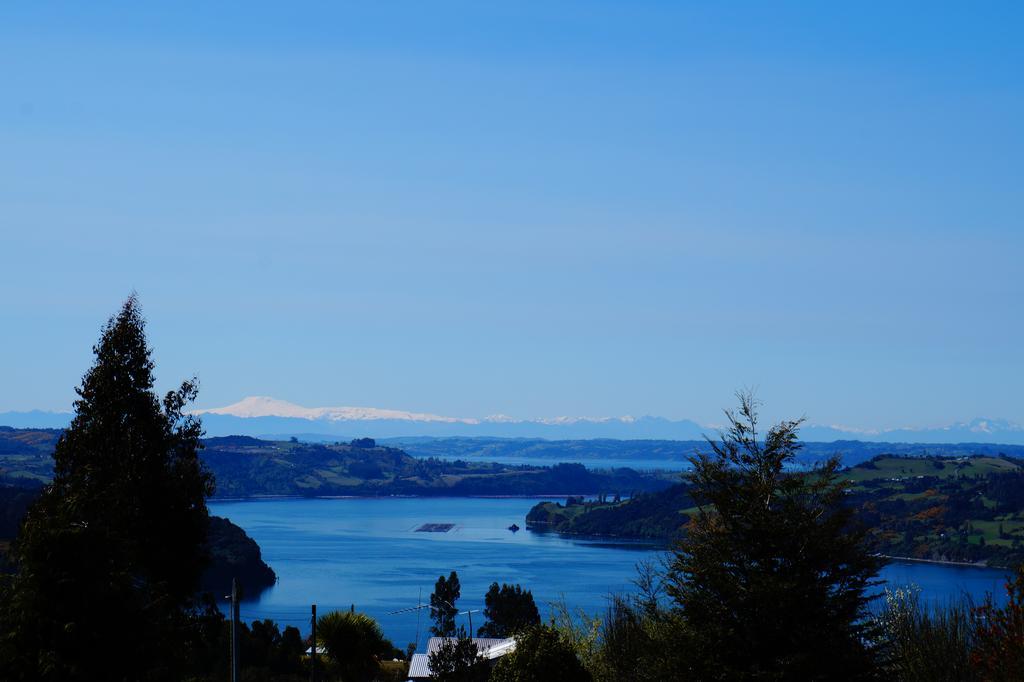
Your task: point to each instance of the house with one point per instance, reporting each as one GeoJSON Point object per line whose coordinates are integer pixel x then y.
{"type": "Point", "coordinates": [489, 648]}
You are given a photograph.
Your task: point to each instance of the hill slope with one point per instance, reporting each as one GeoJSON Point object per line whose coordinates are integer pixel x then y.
{"type": "Point", "coordinates": [962, 509]}
{"type": "Point", "coordinates": [246, 467]}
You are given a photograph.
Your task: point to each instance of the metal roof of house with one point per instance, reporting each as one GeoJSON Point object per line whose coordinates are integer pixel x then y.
{"type": "Point", "coordinates": [419, 667]}
{"type": "Point", "coordinates": [488, 647]}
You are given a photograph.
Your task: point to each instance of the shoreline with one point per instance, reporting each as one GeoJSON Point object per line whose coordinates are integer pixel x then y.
{"type": "Point", "coordinates": [942, 562]}
{"type": "Point", "coordinates": [536, 496]}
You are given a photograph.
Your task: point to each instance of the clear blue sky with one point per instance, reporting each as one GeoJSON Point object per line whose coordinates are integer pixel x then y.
{"type": "Point", "coordinates": [524, 208]}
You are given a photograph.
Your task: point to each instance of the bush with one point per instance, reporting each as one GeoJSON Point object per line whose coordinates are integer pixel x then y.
{"type": "Point", "coordinates": [922, 644]}
{"type": "Point", "coordinates": [541, 654]}
{"type": "Point", "coordinates": [999, 649]}
{"type": "Point", "coordinates": [355, 644]}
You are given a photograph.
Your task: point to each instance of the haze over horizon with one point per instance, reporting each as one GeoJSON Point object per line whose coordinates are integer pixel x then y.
{"type": "Point", "coordinates": [532, 210]}
{"type": "Point", "coordinates": [264, 416]}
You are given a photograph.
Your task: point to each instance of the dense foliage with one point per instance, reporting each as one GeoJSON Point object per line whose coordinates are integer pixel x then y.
{"type": "Point", "coordinates": [457, 660]}
{"type": "Point", "coordinates": [266, 653]}
{"type": "Point", "coordinates": [442, 604]}
{"type": "Point", "coordinates": [354, 644]}
{"type": "Point", "coordinates": [956, 642]}
{"type": "Point", "coordinates": [114, 543]}
{"type": "Point", "coordinates": [926, 642]}
{"type": "Point", "coordinates": [770, 579]}
{"type": "Point", "coordinates": [654, 516]}
{"type": "Point", "coordinates": [999, 641]}
{"type": "Point", "coordinates": [508, 609]}
{"type": "Point", "coordinates": [964, 509]}
{"type": "Point", "coordinates": [233, 555]}
{"type": "Point", "coordinates": [541, 654]}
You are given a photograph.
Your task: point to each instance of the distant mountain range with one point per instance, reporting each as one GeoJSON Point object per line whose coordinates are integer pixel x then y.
{"type": "Point", "coordinates": [263, 416]}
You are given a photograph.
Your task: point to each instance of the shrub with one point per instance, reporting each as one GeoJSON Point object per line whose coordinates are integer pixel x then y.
{"type": "Point", "coordinates": [541, 654]}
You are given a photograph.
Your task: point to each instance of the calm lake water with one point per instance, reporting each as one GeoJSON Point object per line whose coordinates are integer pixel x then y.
{"type": "Point", "coordinates": [340, 552]}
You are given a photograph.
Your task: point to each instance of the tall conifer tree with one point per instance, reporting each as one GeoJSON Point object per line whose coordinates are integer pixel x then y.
{"type": "Point", "coordinates": [442, 604]}
{"type": "Point", "coordinates": [772, 576]}
{"type": "Point", "coordinates": [111, 554]}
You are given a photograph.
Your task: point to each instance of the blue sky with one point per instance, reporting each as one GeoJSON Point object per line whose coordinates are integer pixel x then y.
{"type": "Point", "coordinates": [524, 208]}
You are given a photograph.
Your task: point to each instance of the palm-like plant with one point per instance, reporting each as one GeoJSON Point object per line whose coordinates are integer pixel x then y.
{"type": "Point", "coordinates": [354, 642]}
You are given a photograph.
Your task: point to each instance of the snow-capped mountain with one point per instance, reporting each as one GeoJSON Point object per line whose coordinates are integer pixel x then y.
{"type": "Point", "coordinates": [266, 416]}
{"type": "Point", "coordinates": [257, 415]}
{"type": "Point", "coordinates": [262, 406]}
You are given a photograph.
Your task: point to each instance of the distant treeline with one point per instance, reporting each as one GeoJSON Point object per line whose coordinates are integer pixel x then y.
{"type": "Point", "coordinates": [247, 467]}
{"type": "Point", "coordinates": [851, 452]}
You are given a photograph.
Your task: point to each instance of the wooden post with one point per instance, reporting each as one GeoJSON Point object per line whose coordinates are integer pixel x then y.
{"type": "Point", "coordinates": [312, 667]}
{"type": "Point", "coordinates": [234, 630]}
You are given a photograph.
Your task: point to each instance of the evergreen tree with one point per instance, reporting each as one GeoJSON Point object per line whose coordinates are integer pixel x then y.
{"type": "Point", "coordinates": [771, 577]}
{"type": "Point", "coordinates": [508, 608]}
{"type": "Point", "coordinates": [111, 554]}
{"type": "Point", "coordinates": [457, 660]}
{"type": "Point", "coordinates": [442, 604]}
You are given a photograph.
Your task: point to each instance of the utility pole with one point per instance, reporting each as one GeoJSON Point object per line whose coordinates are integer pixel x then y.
{"type": "Point", "coordinates": [470, 613]}
{"type": "Point", "coordinates": [234, 630]}
{"type": "Point", "coordinates": [419, 607]}
{"type": "Point", "coordinates": [312, 667]}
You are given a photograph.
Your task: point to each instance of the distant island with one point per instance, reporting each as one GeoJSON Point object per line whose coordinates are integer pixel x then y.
{"type": "Point", "coordinates": [951, 509]}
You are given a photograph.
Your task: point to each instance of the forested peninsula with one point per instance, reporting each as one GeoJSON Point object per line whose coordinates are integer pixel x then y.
{"type": "Point", "coordinates": [957, 509]}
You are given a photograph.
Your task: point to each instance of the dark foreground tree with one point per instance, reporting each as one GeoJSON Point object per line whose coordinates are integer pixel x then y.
{"type": "Point", "coordinates": [110, 555]}
{"type": "Point", "coordinates": [442, 604]}
{"type": "Point", "coordinates": [541, 654]}
{"type": "Point", "coordinates": [508, 608]}
{"type": "Point", "coordinates": [266, 653]}
{"type": "Point", "coordinates": [771, 577]}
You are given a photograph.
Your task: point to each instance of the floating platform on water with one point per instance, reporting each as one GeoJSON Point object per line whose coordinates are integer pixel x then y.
{"type": "Point", "coordinates": [435, 528]}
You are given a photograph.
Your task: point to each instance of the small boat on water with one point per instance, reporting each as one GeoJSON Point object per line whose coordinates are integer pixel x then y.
{"type": "Point", "coordinates": [514, 528]}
